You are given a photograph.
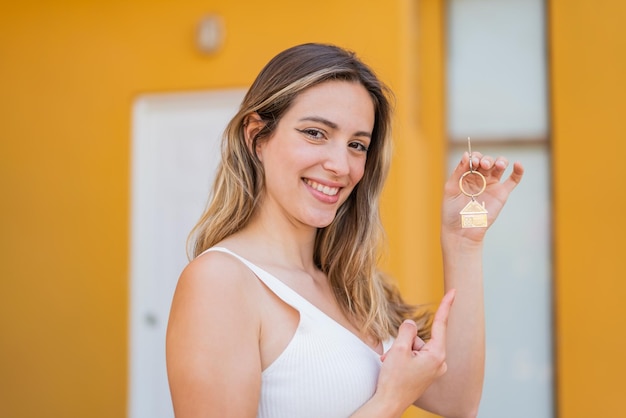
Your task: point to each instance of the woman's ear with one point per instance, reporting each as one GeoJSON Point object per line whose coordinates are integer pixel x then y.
{"type": "Point", "coordinates": [252, 125]}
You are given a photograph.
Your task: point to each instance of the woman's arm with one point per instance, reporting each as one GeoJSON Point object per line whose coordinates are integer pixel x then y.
{"type": "Point", "coordinates": [445, 375]}
{"type": "Point", "coordinates": [458, 392]}
{"type": "Point", "coordinates": [213, 361]}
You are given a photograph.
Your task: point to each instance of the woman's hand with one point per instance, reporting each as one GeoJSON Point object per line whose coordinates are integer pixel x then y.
{"type": "Point", "coordinates": [410, 365]}
{"type": "Point", "coordinates": [494, 197]}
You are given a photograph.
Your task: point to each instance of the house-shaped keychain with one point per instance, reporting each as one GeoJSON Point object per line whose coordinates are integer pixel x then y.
{"type": "Point", "coordinates": [474, 215]}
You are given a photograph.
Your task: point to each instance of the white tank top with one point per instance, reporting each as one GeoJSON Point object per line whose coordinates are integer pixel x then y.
{"type": "Point", "coordinates": [326, 371]}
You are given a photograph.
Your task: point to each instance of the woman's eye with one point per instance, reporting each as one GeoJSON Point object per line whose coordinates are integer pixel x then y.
{"type": "Point", "coordinates": [358, 146]}
{"type": "Point", "coordinates": [312, 133]}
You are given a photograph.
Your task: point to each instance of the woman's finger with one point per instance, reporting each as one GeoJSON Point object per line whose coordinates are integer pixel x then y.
{"type": "Point", "coordinates": [406, 335]}
{"type": "Point", "coordinates": [515, 177]}
{"type": "Point", "coordinates": [418, 344]}
{"type": "Point", "coordinates": [440, 322]}
{"type": "Point", "coordinates": [463, 165]}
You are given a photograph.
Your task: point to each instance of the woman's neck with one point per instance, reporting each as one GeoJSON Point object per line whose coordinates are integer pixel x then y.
{"type": "Point", "coordinates": [279, 241]}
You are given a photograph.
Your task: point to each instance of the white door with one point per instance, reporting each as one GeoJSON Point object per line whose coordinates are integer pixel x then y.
{"type": "Point", "coordinates": [175, 151]}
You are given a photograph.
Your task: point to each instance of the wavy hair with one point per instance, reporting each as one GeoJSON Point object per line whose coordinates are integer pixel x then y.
{"type": "Point", "coordinates": [347, 250]}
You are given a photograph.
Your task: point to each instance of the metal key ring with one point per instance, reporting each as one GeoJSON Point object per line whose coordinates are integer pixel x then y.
{"type": "Point", "coordinates": [474, 194]}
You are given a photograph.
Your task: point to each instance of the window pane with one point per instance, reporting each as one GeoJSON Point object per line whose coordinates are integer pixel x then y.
{"type": "Point", "coordinates": [496, 69]}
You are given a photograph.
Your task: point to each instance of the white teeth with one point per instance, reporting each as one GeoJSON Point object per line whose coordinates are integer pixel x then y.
{"type": "Point", "coordinates": [330, 191]}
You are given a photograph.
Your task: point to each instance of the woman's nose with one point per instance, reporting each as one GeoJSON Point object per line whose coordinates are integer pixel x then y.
{"type": "Point", "coordinates": [337, 160]}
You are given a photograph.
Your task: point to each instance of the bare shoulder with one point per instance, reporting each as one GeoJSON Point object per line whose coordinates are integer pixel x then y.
{"type": "Point", "coordinates": [215, 270]}
{"type": "Point", "coordinates": [216, 283]}
{"type": "Point", "coordinates": [213, 333]}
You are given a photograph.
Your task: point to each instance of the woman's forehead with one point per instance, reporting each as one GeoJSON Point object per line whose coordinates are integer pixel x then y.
{"type": "Point", "coordinates": [338, 102]}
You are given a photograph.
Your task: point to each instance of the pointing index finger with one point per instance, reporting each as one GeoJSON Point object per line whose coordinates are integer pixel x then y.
{"type": "Point", "coordinates": [440, 321]}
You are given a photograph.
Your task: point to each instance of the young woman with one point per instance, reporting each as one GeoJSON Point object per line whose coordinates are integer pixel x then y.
{"type": "Point", "coordinates": [282, 311]}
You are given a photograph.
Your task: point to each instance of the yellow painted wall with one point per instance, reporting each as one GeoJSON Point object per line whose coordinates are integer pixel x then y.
{"type": "Point", "coordinates": [588, 77]}
{"type": "Point", "coordinates": [69, 71]}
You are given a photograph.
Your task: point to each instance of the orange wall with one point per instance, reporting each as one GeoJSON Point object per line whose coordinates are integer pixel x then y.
{"type": "Point", "coordinates": [69, 71]}
{"type": "Point", "coordinates": [588, 71]}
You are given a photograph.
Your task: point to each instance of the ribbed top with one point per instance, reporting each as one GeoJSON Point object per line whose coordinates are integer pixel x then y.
{"type": "Point", "coordinates": [326, 371]}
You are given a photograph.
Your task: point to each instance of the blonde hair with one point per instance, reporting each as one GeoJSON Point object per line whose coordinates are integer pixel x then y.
{"type": "Point", "coordinates": [348, 249]}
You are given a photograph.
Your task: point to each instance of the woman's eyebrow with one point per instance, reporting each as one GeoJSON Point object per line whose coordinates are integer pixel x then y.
{"type": "Point", "coordinates": [332, 125]}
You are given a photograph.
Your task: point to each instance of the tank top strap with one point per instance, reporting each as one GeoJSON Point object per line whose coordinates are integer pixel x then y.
{"type": "Point", "coordinates": [280, 289]}
{"type": "Point", "coordinates": [298, 302]}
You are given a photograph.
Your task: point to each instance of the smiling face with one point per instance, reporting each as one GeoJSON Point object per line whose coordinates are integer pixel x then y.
{"type": "Point", "coordinates": [317, 153]}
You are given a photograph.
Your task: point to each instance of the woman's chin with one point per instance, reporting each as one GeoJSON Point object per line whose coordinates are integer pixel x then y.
{"type": "Point", "coordinates": [321, 221]}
